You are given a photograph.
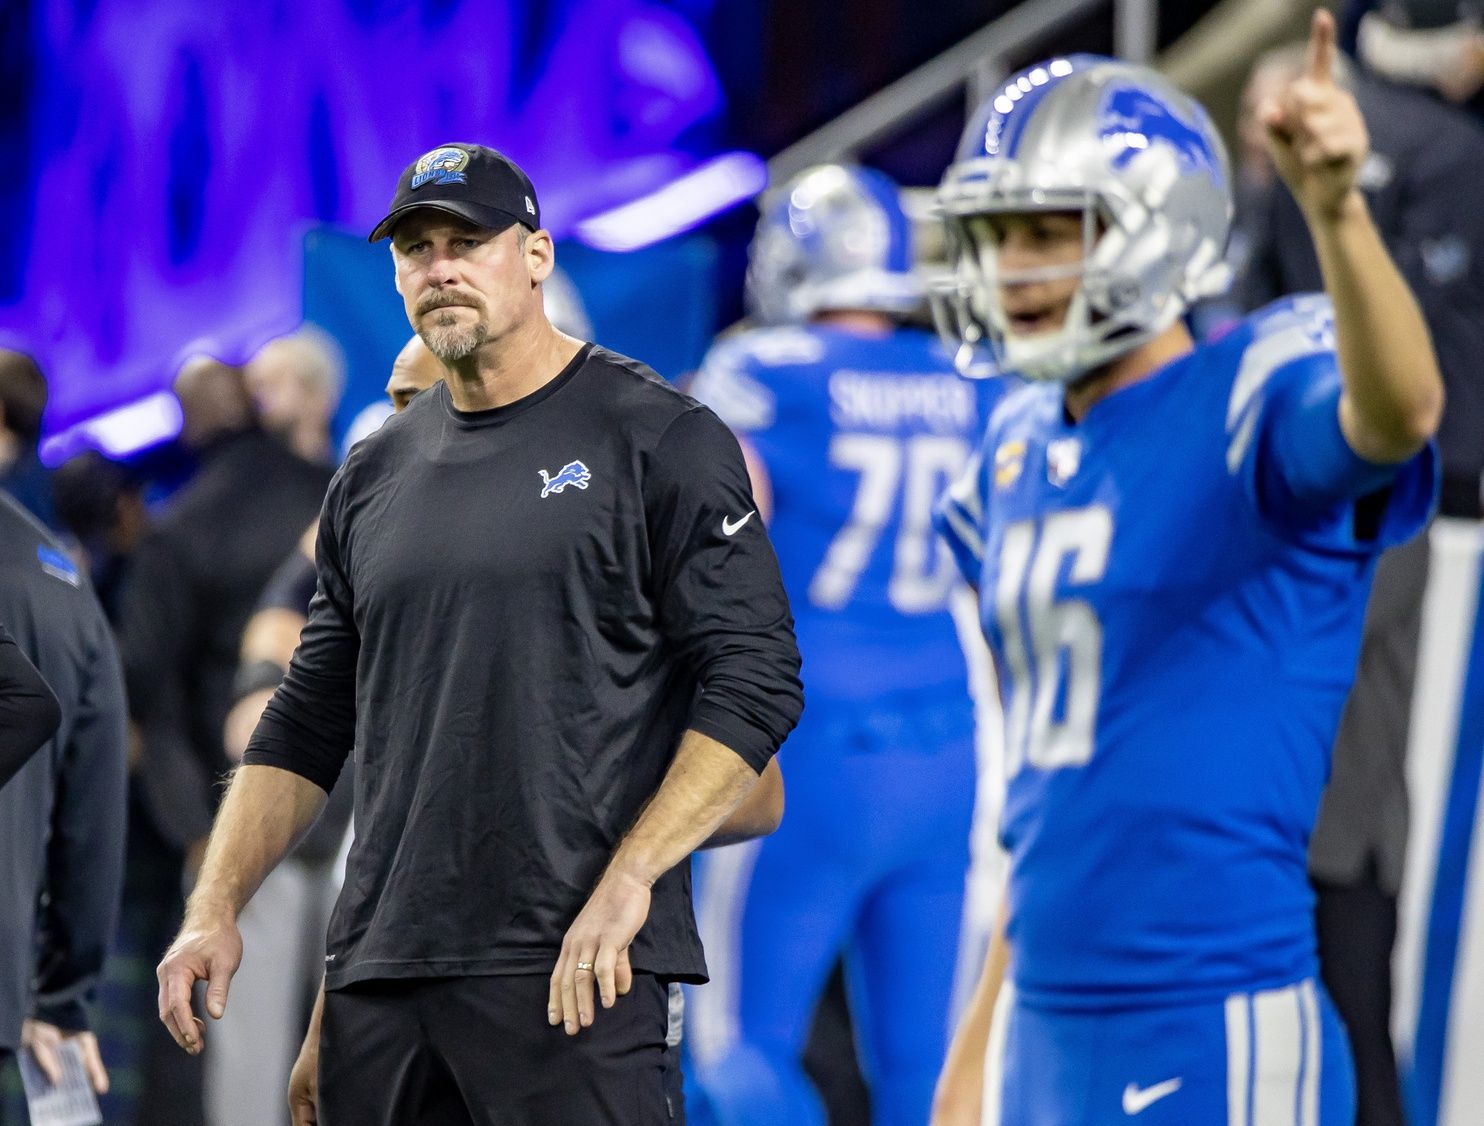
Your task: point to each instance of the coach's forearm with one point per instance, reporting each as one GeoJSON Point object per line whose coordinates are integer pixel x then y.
{"type": "Point", "coordinates": [265, 812]}
{"type": "Point", "coordinates": [757, 815]}
{"type": "Point", "coordinates": [704, 784]}
{"type": "Point", "coordinates": [1393, 397]}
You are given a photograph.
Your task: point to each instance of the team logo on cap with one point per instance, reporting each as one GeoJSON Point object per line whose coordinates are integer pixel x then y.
{"type": "Point", "coordinates": [441, 166]}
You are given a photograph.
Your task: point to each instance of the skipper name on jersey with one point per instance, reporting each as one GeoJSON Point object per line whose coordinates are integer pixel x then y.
{"type": "Point", "coordinates": [870, 399]}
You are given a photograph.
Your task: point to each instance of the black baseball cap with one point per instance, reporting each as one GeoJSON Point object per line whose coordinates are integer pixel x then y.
{"type": "Point", "coordinates": [470, 181]}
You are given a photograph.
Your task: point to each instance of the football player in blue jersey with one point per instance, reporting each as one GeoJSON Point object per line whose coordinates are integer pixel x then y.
{"type": "Point", "coordinates": [1173, 545]}
{"type": "Point", "coordinates": [854, 424]}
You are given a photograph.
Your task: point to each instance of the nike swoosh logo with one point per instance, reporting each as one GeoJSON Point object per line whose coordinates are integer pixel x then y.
{"type": "Point", "coordinates": [1136, 1100]}
{"type": "Point", "coordinates": [730, 529]}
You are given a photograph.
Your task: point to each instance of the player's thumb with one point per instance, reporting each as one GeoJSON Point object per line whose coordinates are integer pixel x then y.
{"type": "Point", "coordinates": [218, 982]}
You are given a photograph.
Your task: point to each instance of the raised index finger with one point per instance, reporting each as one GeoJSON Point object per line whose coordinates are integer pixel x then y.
{"type": "Point", "coordinates": [1322, 48]}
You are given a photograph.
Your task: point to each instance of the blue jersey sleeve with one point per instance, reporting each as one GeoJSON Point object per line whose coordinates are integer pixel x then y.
{"type": "Point", "coordinates": [959, 518]}
{"type": "Point", "coordinates": [1285, 443]}
{"type": "Point", "coordinates": [731, 383]}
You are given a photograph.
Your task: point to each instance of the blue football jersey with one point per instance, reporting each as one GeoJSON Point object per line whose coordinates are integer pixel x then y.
{"type": "Point", "coordinates": [860, 435]}
{"type": "Point", "coordinates": [1174, 643]}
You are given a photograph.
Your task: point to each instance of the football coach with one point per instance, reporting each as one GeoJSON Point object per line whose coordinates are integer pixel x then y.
{"type": "Point", "coordinates": [550, 623]}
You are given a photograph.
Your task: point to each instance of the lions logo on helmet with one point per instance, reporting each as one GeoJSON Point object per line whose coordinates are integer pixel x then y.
{"type": "Point", "coordinates": [441, 166]}
{"type": "Point", "coordinates": [833, 237]}
{"type": "Point", "coordinates": [1141, 162]}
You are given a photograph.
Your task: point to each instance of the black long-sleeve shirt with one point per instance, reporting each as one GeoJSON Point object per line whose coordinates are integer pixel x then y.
{"type": "Point", "coordinates": [519, 613]}
{"type": "Point", "coordinates": [292, 589]}
{"type": "Point", "coordinates": [62, 815]}
{"type": "Point", "coordinates": [29, 712]}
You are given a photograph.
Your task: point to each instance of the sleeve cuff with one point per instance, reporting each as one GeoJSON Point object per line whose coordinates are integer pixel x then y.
{"type": "Point", "coordinates": [267, 752]}
{"type": "Point", "coordinates": [751, 744]}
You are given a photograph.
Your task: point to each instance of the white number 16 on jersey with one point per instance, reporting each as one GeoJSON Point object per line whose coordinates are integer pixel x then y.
{"type": "Point", "coordinates": [1053, 648]}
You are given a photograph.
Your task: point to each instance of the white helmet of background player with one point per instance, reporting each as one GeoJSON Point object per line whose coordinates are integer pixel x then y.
{"type": "Point", "coordinates": [833, 237]}
{"type": "Point", "coordinates": [1142, 163]}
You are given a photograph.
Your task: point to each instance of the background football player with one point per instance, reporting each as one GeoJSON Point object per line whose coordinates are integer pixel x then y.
{"type": "Point", "coordinates": [854, 424]}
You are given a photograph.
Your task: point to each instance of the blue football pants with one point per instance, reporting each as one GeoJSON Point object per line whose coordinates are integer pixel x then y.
{"type": "Point", "coordinates": [870, 862]}
{"type": "Point", "coordinates": [1274, 1057]}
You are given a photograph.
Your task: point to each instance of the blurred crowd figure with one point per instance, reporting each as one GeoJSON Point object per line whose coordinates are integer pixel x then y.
{"type": "Point", "coordinates": [296, 382]}
{"type": "Point", "coordinates": [22, 402]}
{"type": "Point", "coordinates": [62, 808]}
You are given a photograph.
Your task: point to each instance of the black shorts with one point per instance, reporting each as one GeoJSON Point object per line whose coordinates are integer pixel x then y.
{"type": "Point", "coordinates": [477, 1051]}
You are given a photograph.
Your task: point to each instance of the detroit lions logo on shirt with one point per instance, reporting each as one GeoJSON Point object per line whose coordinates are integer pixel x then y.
{"type": "Point", "coordinates": [574, 473]}
{"type": "Point", "coordinates": [1134, 121]}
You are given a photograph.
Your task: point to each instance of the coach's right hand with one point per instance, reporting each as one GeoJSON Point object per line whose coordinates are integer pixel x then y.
{"type": "Point", "coordinates": [207, 949]}
{"type": "Point", "coordinates": [596, 951]}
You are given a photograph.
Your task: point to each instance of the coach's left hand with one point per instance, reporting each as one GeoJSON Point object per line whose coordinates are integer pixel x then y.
{"type": "Point", "coordinates": [597, 949]}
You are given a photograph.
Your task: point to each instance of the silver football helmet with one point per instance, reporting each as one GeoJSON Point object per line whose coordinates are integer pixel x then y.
{"type": "Point", "coordinates": [833, 237]}
{"type": "Point", "coordinates": [1147, 170]}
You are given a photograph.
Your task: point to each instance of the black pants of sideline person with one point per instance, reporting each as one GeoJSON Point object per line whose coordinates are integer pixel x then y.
{"type": "Point", "coordinates": [1357, 928]}
{"type": "Point", "coordinates": [477, 1051]}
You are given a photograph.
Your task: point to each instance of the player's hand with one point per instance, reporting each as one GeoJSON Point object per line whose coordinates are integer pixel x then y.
{"type": "Point", "coordinates": [596, 949]}
{"type": "Point", "coordinates": [304, 1082]}
{"type": "Point", "coordinates": [209, 951]}
{"type": "Point", "coordinates": [1315, 131]}
{"type": "Point", "coordinates": [45, 1041]}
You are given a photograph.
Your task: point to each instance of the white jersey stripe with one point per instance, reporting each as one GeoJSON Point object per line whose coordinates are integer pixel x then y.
{"type": "Point", "coordinates": [1238, 1057]}
{"type": "Point", "coordinates": [1314, 1055]}
{"type": "Point", "coordinates": [1275, 1092]}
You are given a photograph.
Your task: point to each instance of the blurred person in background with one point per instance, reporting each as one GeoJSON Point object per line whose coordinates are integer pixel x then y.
{"type": "Point", "coordinates": [193, 585]}
{"type": "Point", "coordinates": [414, 370]}
{"type": "Point", "coordinates": [283, 928]}
{"type": "Point", "coordinates": [296, 382]}
{"type": "Point", "coordinates": [23, 396]}
{"type": "Point", "coordinates": [62, 815]}
{"type": "Point", "coordinates": [853, 424]}
{"type": "Point", "coordinates": [1173, 544]}
{"type": "Point", "coordinates": [1425, 162]}
{"type": "Point", "coordinates": [101, 503]}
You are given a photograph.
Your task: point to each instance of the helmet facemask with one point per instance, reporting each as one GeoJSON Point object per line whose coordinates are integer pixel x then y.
{"type": "Point", "coordinates": [1108, 314]}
